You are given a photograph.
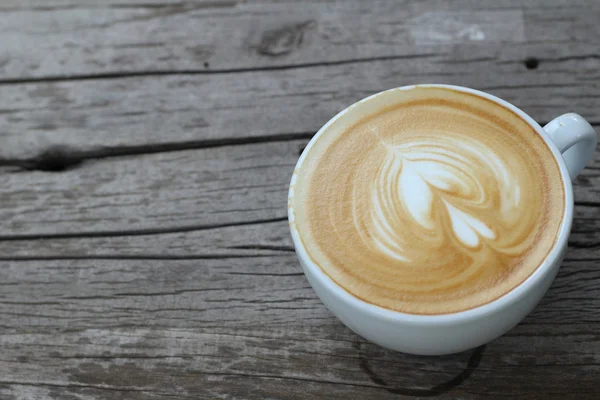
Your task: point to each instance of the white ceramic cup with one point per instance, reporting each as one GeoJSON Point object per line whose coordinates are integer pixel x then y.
{"type": "Point", "coordinates": [572, 141]}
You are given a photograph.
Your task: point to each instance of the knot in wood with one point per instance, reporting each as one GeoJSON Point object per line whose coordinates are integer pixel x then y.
{"type": "Point", "coordinates": [281, 41]}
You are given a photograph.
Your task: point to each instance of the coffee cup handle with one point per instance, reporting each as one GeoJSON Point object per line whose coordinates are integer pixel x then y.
{"type": "Point", "coordinates": [575, 138]}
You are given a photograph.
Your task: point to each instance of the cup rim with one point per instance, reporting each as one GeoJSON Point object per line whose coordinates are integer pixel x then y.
{"type": "Point", "coordinates": [506, 299]}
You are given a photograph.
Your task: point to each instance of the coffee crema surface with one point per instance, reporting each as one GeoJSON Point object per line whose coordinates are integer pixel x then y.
{"type": "Point", "coordinates": [436, 201]}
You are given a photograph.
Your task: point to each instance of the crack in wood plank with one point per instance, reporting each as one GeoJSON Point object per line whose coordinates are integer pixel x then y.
{"type": "Point", "coordinates": [58, 158]}
{"type": "Point", "coordinates": [136, 257]}
{"type": "Point", "coordinates": [156, 73]}
{"type": "Point", "coordinates": [76, 385]}
{"type": "Point", "coordinates": [137, 232]}
{"type": "Point", "coordinates": [262, 247]}
{"type": "Point", "coordinates": [581, 203]}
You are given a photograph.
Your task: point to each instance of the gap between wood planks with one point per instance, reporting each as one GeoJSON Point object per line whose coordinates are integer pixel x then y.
{"type": "Point", "coordinates": [207, 71]}
{"type": "Point", "coordinates": [139, 232]}
{"type": "Point", "coordinates": [59, 158]}
{"type": "Point", "coordinates": [174, 5]}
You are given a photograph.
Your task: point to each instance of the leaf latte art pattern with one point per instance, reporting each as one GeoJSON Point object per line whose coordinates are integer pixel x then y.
{"type": "Point", "coordinates": [438, 204]}
{"type": "Point", "coordinates": [421, 184]}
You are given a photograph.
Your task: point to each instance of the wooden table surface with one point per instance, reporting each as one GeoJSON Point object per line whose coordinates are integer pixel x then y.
{"type": "Point", "coordinates": [145, 151]}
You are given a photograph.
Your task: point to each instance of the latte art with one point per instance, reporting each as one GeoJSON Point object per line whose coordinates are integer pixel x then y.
{"type": "Point", "coordinates": [440, 203]}
{"type": "Point", "coordinates": [443, 185]}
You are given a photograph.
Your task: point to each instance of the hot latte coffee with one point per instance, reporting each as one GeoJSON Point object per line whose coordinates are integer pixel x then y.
{"type": "Point", "coordinates": [434, 201]}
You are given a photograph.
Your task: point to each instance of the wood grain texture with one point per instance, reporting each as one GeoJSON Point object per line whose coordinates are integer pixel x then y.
{"type": "Point", "coordinates": [117, 36]}
{"type": "Point", "coordinates": [193, 189]}
{"type": "Point", "coordinates": [221, 309]}
{"type": "Point", "coordinates": [51, 5]}
{"type": "Point", "coordinates": [180, 190]}
{"type": "Point", "coordinates": [96, 118]}
{"type": "Point", "coordinates": [253, 328]}
{"type": "Point", "coordinates": [146, 148]}
{"type": "Point", "coordinates": [307, 61]}
{"type": "Point", "coordinates": [199, 36]}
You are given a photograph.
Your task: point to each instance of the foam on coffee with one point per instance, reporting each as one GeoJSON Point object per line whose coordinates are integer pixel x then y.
{"type": "Point", "coordinates": [436, 202]}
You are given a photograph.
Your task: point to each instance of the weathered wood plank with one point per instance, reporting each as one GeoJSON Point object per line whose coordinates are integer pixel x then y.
{"type": "Point", "coordinates": [115, 36]}
{"type": "Point", "coordinates": [253, 328]}
{"type": "Point", "coordinates": [137, 113]}
{"type": "Point", "coordinates": [466, 4]}
{"type": "Point", "coordinates": [254, 240]}
{"type": "Point", "coordinates": [194, 189]}
{"type": "Point", "coordinates": [228, 35]}
{"type": "Point", "coordinates": [126, 286]}
{"type": "Point", "coordinates": [216, 327]}
{"type": "Point", "coordinates": [50, 5]}
{"type": "Point", "coordinates": [258, 239]}
{"type": "Point", "coordinates": [191, 190]}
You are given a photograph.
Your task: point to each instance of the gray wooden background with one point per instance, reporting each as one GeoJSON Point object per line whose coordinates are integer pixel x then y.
{"type": "Point", "coordinates": [145, 151]}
